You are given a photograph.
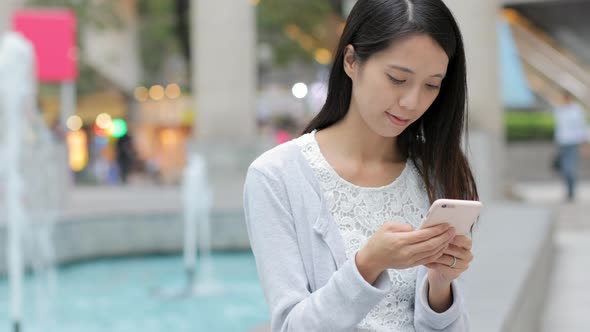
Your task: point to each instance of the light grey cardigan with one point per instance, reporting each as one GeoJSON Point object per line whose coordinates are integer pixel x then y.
{"type": "Point", "coordinates": [308, 282]}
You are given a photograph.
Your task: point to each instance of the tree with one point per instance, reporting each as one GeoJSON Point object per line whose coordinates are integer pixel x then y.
{"type": "Point", "coordinates": [163, 30]}
{"type": "Point", "coordinates": [296, 28]}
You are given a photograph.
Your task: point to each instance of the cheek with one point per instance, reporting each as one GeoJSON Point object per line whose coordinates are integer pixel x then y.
{"type": "Point", "coordinates": [377, 96]}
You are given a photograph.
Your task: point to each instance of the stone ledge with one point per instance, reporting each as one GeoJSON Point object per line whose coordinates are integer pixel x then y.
{"type": "Point", "coordinates": [506, 286]}
{"type": "Point", "coordinates": [83, 238]}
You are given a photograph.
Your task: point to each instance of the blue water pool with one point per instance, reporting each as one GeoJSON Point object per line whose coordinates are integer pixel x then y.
{"type": "Point", "coordinates": [120, 295]}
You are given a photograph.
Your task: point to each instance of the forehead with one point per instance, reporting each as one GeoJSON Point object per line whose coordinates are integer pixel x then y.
{"type": "Point", "coordinates": [420, 53]}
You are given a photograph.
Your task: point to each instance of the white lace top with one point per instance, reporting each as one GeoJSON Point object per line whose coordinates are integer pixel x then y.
{"type": "Point", "coordinates": [359, 212]}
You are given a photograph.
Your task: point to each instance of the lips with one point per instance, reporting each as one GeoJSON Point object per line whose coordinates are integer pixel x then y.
{"type": "Point", "coordinates": [396, 120]}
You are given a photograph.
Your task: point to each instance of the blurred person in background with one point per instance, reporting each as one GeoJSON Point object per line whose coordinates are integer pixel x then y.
{"type": "Point", "coordinates": [125, 156]}
{"type": "Point", "coordinates": [333, 214]}
{"type": "Point", "coordinates": [571, 134]}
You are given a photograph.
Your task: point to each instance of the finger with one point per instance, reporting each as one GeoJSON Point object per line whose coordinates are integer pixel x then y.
{"type": "Point", "coordinates": [448, 260]}
{"type": "Point", "coordinates": [428, 259]}
{"type": "Point", "coordinates": [459, 252]}
{"type": "Point", "coordinates": [397, 227]}
{"type": "Point", "coordinates": [433, 243]}
{"type": "Point", "coordinates": [428, 256]}
{"type": "Point", "coordinates": [444, 269]}
{"type": "Point", "coordinates": [421, 235]}
{"type": "Point", "coordinates": [462, 241]}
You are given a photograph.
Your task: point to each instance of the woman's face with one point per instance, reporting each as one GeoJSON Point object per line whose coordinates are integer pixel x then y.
{"type": "Point", "coordinates": [396, 86]}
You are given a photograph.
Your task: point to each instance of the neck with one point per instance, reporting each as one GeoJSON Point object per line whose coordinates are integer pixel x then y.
{"type": "Point", "coordinates": [354, 140]}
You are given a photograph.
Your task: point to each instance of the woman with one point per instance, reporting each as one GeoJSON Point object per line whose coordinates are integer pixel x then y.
{"type": "Point", "coordinates": [332, 215]}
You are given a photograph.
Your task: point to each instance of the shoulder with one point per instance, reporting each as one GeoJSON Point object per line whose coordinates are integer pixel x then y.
{"type": "Point", "coordinates": [278, 160]}
{"type": "Point", "coordinates": [278, 171]}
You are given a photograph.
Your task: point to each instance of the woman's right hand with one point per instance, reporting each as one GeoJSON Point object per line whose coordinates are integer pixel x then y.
{"type": "Point", "coordinates": [398, 246]}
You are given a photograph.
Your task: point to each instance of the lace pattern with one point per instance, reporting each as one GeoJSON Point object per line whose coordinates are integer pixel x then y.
{"type": "Point", "coordinates": [359, 212]}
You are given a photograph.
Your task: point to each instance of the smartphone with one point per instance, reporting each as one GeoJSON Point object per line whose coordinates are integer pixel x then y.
{"type": "Point", "coordinates": [460, 214]}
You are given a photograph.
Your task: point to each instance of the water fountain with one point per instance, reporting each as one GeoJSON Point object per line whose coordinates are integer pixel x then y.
{"type": "Point", "coordinates": [29, 179]}
{"type": "Point", "coordinates": [14, 96]}
{"type": "Point", "coordinates": [197, 204]}
{"type": "Point", "coordinates": [43, 199]}
{"type": "Point", "coordinates": [197, 200]}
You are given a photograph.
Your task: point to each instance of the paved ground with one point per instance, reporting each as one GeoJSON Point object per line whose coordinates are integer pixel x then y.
{"type": "Point", "coordinates": [113, 200]}
{"type": "Point", "coordinates": [567, 308]}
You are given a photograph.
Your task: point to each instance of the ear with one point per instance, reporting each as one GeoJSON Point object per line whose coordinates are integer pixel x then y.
{"type": "Point", "coordinates": [350, 64]}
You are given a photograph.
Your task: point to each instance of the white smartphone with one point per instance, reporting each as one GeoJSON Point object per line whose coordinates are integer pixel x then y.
{"type": "Point", "coordinates": [460, 214]}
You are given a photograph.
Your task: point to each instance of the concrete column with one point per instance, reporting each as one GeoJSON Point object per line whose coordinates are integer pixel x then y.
{"type": "Point", "coordinates": [478, 23]}
{"type": "Point", "coordinates": [223, 57]}
{"type": "Point", "coordinates": [6, 9]}
{"type": "Point", "coordinates": [224, 68]}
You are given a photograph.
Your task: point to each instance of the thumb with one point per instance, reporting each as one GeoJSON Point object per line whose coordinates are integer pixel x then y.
{"type": "Point", "coordinates": [393, 226]}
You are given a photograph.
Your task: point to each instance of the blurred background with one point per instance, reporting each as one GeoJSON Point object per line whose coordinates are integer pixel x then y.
{"type": "Point", "coordinates": [128, 126]}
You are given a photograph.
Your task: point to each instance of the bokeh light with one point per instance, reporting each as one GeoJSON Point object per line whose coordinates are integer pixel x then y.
{"type": "Point", "coordinates": [173, 91]}
{"type": "Point", "coordinates": [299, 90]}
{"type": "Point", "coordinates": [157, 92]}
{"type": "Point", "coordinates": [141, 93]}
{"type": "Point", "coordinates": [323, 56]}
{"type": "Point", "coordinates": [118, 129]}
{"type": "Point", "coordinates": [104, 121]}
{"type": "Point", "coordinates": [77, 149]}
{"type": "Point", "coordinates": [74, 123]}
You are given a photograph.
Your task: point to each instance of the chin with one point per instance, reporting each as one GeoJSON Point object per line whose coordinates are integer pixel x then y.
{"type": "Point", "coordinates": [390, 133]}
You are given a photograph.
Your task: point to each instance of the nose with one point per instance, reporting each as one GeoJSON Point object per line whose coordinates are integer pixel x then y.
{"type": "Point", "coordinates": [410, 99]}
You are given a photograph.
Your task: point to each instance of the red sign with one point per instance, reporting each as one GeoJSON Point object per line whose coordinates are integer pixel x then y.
{"type": "Point", "coordinates": [53, 34]}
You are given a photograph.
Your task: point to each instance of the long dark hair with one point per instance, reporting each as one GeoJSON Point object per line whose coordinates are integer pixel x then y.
{"type": "Point", "coordinates": [433, 142]}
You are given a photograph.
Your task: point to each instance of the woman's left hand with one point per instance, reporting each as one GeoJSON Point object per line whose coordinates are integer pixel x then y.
{"type": "Point", "coordinates": [446, 269]}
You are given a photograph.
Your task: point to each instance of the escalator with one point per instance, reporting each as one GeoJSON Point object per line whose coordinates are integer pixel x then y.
{"type": "Point", "coordinates": [550, 68]}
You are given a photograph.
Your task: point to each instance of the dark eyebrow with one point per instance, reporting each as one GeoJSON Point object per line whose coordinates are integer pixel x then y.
{"type": "Point", "coordinates": [408, 70]}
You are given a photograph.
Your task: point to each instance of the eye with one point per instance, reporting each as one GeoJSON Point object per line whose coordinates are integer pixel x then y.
{"type": "Point", "coordinates": [395, 80]}
{"type": "Point", "coordinates": [432, 87]}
